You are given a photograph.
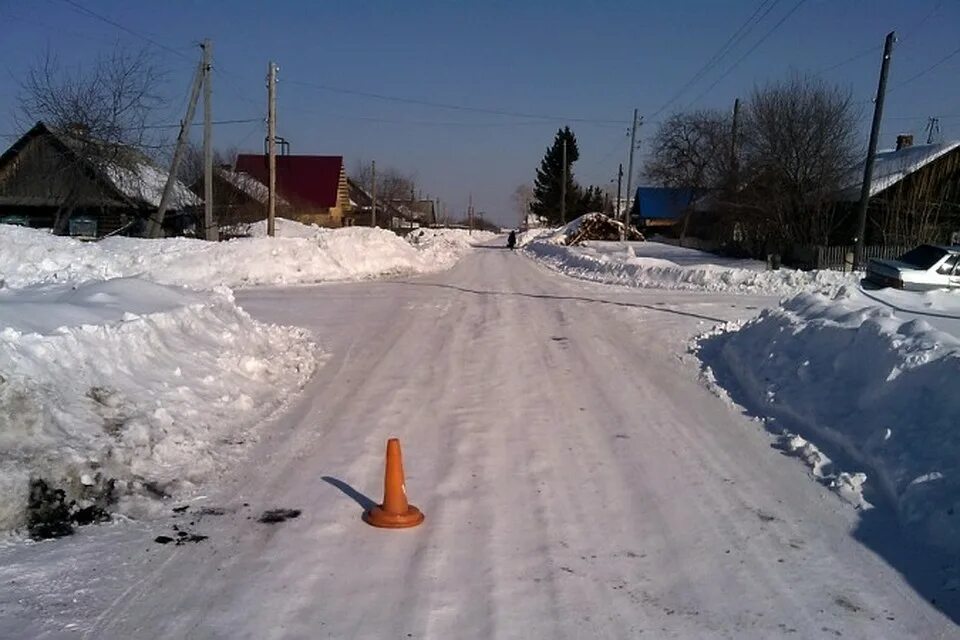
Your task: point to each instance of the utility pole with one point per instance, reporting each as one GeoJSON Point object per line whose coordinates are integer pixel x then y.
{"type": "Point", "coordinates": [734, 130]}
{"type": "Point", "coordinates": [619, 183]}
{"type": "Point", "coordinates": [271, 149]}
{"type": "Point", "coordinates": [633, 146]}
{"type": "Point", "coordinates": [155, 225]}
{"type": "Point", "coordinates": [563, 186]}
{"type": "Point", "coordinates": [470, 214]}
{"type": "Point", "coordinates": [210, 230]}
{"type": "Point", "coordinates": [373, 193]}
{"type": "Point", "coordinates": [872, 150]}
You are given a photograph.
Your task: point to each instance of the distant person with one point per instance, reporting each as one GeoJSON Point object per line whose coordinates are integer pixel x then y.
{"type": "Point", "coordinates": [512, 239]}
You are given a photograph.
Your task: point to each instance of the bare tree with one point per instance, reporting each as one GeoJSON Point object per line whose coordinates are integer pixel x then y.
{"type": "Point", "coordinates": [694, 151]}
{"type": "Point", "coordinates": [522, 198]}
{"type": "Point", "coordinates": [392, 184]}
{"type": "Point", "coordinates": [799, 143]}
{"type": "Point", "coordinates": [104, 112]}
{"type": "Point", "coordinates": [113, 101]}
{"type": "Point", "coordinates": [691, 150]}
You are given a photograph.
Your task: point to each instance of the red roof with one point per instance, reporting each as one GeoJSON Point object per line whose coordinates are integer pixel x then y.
{"type": "Point", "coordinates": [304, 180]}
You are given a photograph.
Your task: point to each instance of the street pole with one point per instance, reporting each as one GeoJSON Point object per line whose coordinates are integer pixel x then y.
{"type": "Point", "coordinates": [563, 186]}
{"type": "Point", "coordinates": [272, 149]}
{"type": "Point", "coordinates": [872, 150]}
{"type": "Point", "coordinates": [155, 225]}
{"type": "Point", "coordinates": [210, 231]}
{"type": "Point", "coordinates": [633, 146]}
{"type": "Point", "coordinates": [470, 214]}
{"type": "Point", "coordinates": [373, 193]}
{"type": "Point", "coordinates": [619, 183]}
{"type": "Point", "coordinates": [734, 130]}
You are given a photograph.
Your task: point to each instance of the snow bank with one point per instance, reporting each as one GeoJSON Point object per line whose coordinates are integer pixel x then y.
{"type": "Point", "coordinates": [126, 391]}
{"type": "Point", "coordinates": [855, 377]}
{"type": "Point", "coordinates": [658, 266]}
{"type": "Point", "coordinates": [301, 254]}
{"type": "Point", "coordinates": [444, 247]}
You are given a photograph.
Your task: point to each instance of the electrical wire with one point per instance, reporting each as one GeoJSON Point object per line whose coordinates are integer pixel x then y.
{"type": "Point", "coordinates": [721, 53]}
{"type": "Point", "coordinates": [197, 124]}
{"type": "Point", "coordinates": [925, 71]}
{"type": "Point", "coordinates": [442, 105]}
{"type": "Point", "coordinates": [103, 18]}
{"type": "Point", "coordinates": [747, 54]}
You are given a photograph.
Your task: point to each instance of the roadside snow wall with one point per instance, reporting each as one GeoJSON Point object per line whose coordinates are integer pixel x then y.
{"type": "Point", "coordinates": [301, 254]}
{"type": "Point", "coordinates": [148, 388]}
{"type": "Point", "coordinates": [599, 262]}
{"type": "Point", "coordinates": [857, 379]}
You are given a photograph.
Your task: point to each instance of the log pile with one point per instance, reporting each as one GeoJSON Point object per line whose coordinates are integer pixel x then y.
{"type": "Point", "coordinates": [596, 226]}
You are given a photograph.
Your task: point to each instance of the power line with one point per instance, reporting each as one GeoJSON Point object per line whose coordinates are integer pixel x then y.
{"type": "Point", "coordinates": [721, 53]}
{"type": "Point", "coordinates": [927, 70]}
{"type": "Point", "coordinates": [112, 23]}
{"type": "Point", "coordinates": [750, 51]}
{"type": "Point", "coordinates": [878, 47]}
{"type": "Point", "coordinates": [453, 107]}
{"type": "Point", "coordinates": [194, 124]}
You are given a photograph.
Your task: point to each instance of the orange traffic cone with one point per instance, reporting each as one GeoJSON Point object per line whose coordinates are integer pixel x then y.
{"type": "Point", "coordinates": [395, 512]}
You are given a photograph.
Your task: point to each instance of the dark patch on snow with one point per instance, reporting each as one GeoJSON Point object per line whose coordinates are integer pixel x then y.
{"type": "Point", "coordinates": [843, 601]}
{"type": "Point", "coordinates": [211, 511]}
{"type": "Point", "coordinates": [163, 539]}
{"type": "Point", "coordinates": [49, 515]}
{"type": "Point", "coordinates": [766, 517]}
{"type": "Point", "coordinates": [180, 509]}
{"type": "Point", "coordinates": [279, 515]}
{"type": "Point", "coordinates": [90, 515]}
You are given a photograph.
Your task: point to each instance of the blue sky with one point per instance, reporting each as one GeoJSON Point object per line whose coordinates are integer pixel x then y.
{"type": "Point", "coordinates": [592, 61]}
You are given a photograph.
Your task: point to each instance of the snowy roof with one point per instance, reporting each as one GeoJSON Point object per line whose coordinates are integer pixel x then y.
{"type": "Point", "coordinates": [891, 166]}
{"type": "Point", "coordinates": [248, 185]}
{"type": "Point", "coordinates": [144, 182]}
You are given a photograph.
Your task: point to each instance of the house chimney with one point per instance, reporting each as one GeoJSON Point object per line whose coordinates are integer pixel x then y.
{"type": "Point", "coordinates": [904, 140]}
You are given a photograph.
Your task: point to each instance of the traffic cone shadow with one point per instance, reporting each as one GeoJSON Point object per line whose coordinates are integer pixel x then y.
{"type": "Point", "coordinates": [395, 512]}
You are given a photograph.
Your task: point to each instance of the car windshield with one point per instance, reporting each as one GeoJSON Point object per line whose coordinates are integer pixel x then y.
{"type": "Point", "coordinates": [923, 257]}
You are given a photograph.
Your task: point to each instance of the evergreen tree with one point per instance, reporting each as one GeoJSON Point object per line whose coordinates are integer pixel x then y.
{"type": "Point", "coordinates": [547, 187]}
{"type": "Point", "coordinates": [591, 200]}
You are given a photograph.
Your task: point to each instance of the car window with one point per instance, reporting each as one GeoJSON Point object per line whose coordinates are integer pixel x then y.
{"type": "Point", "coordinates": [923, 257]}
{"type": "Point", "coordinates": [948, 265]}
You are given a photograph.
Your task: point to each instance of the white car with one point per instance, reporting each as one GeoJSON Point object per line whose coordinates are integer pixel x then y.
{"type": "Point", "coordinates": [926, 267]}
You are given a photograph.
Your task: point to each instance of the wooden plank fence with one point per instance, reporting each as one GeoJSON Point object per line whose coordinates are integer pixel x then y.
{"type": "Point", "coordinates": [840, 258]}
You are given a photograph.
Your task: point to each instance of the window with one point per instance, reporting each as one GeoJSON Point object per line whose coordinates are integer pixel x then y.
{"type": "Point", "coordinates": [84, 227]}
{"type": "Point", "coordinates": [948, 265]}
{"type": "Point", "coordinates": [923, 257]}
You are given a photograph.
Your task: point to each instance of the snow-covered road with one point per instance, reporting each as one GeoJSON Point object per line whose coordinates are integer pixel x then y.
{"type": "Point", "coordinates": [578, 479]}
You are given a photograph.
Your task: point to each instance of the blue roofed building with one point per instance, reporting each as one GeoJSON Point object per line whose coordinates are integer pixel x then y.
{"type": "Point", "coordinates": [660, 206]}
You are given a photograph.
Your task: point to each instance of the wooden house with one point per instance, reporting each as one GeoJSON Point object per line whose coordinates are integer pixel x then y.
{"type": "Point", "coordinates": [76, 185]}
{"type": "Point", "coordinates": [914, 195]}
{"type": "Point", "coordinates": [315, 187]}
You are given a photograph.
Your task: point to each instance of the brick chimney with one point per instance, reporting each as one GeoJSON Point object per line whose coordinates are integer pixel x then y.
{"type": "Point", "coordinates": [904, 140]}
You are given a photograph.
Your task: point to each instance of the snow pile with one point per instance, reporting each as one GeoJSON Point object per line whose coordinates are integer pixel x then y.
{"type": "Point", "coordinates": [658, 266]}
{"type": "Point", "coordinates": [282, 228]}
{"type": "Point", "coordinates": [877, 390]}
{"type": "Point", "coordinates": [444, 247]}
{"type": "Point", "coordinates": [302, 254]}
{"type": "Point", "coordinates": [125, 391]}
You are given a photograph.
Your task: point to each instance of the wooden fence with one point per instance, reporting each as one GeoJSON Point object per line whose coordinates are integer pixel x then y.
{"type": "Point", "coordinates": [839, 258]}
